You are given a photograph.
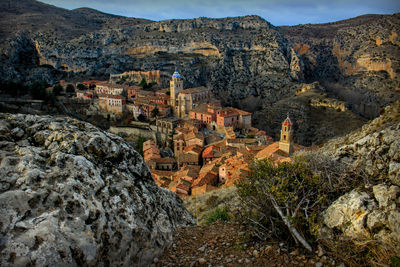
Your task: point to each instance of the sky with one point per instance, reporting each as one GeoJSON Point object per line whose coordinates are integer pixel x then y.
{"type": "Point", "coordinates": [278, 12]}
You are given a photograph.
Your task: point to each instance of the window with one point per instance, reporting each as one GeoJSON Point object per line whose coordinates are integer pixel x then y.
{"type": "Point", "coordinates": [284, 137]}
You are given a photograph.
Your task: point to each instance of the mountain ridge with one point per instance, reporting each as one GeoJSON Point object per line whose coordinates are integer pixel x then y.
{"type": "Point", "coordinates": [246, 61]}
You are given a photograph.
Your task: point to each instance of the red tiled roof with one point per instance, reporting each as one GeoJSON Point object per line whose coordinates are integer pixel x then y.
{"type": "Point", "coordinates": [241, 112]}
{"type": "Point", "coordinates": [287, 122]}
{"type": "Point", "coordinates": [111, 96]}
{"type": "Point", "coordinates": [227, 112]}
{"type": "Point", "coordinates": [95, 82]}
{"type": "Point", "coordinates": [209, 178]}
{"type": "Point", "coordinates": [194, 148]}
{"type": "Point", "coordinates": [194, 90]}
{"type": "Point", "coordinates": [164, 160]}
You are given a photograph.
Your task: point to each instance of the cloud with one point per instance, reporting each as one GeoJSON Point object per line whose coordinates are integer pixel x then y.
{"type": "Point", "coordinates": [278, 12]}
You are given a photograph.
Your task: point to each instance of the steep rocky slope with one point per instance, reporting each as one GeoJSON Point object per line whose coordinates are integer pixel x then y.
{"type": "Point", "coordinates": [248, 50]}
{"type": "Point", "coordinates": [357, 59]}
{"type": "Point", "coordinates": [73, 195]}
{"type": "Point", "coordinates": [370, 212]}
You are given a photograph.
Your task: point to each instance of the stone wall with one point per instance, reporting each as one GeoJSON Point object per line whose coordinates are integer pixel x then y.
{"type": "Point", "coordinates": [147, 133]}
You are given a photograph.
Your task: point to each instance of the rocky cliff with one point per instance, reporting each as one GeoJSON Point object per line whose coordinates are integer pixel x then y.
{"type": "Point", "coordinates": [356, 59]}
{"type": "Point", "coordinates": [246, 61]}
{"type": "Point", "coordinates": [73, 195]}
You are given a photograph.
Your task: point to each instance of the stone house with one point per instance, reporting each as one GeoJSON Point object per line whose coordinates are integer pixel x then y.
{"type": "Point", "coordinates": [109, 89]}
{"type": "Point", "coordinates": [84, 94]}
{"type": "Point", "coordinates": [185, 138]}
{"type": "Point", "coordinates": [240, 142]}
{"type": "Point", "coordinates": [209, 178]}
{"type": "Point", "coordinates": [200, 190]}
{"type": "Point", "coordinates": [206, 113]}
{"type": "Point", "coordinates": [150, 150]}
{"type": "Point", "coordinates": [152, 153]}
{"type": "Point", "coordinates": [233, 117]}
{"type": "Point", "coordinates": [210, 153]}
{"type": "Point", "coordinates": [145, 107]}
{"type": "Point", "coordinates": [91, 84]}
{"type": "Point", "coordinates": [112, 103]}
{"type": "Point", "coordinates": [166, 126]}
{"type": "Point", "coordinates": [191, 156]}
{"type": "Point", "coordinates": [163, 164]}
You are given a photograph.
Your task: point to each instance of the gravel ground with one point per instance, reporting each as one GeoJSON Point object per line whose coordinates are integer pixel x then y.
{"type": "Point", "coordinates": [222, 244]}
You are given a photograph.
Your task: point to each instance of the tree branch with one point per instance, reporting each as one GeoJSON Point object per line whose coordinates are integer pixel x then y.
{"type": "Point", "coordinates": [291, 228]}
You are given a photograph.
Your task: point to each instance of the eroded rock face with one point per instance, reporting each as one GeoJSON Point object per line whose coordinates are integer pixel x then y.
{"type": "Point", "coordinates": [73, 195]}
{"type": "Point", "coordinates": [363, 215]}
{"type": "Point", "coordinates": [373, 212]}
{"type": "Point", "coordinates": [375, 148]}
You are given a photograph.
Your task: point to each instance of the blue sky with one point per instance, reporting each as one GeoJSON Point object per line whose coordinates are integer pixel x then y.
{"type": "Point", "coordinates": [278, 12]}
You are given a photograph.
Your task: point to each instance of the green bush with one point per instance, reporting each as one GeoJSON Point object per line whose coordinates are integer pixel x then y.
{"type": "Point", "coordinates": [70, 88]}
{"type": "Point", "coordinates": [219, 214]}
{"type": "Point", "coordinates": [38, 89]}
{"type": "Point", "coordinates": [81, 87]}
{"type": "Point", "coordinates": [139, 144]}
{"type": "Point", "coordinates": [281, 200]}
{"type": "Point", "coordinates": [57, 89]}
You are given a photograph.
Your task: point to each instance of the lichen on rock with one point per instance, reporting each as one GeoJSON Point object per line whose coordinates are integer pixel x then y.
{"type": "Point", "coordinates": [71, 194]}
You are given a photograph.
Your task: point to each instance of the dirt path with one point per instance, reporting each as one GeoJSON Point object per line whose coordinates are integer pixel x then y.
{"type": "Point", "coordinates": [222, 244]}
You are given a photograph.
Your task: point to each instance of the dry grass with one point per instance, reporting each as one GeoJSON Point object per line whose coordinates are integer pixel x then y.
{"type": "Point", "coordinates": [359, 252]}
{"type": "Point", "coordinates": [203, 206]}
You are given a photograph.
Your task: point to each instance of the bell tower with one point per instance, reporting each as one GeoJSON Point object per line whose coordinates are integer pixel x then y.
{"type": "Point", "coordinates": [175, 86]}
{"type": "Point", "coordinates": [286, 142]}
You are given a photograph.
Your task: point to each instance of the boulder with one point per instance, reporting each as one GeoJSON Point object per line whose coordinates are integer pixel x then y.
{"type": "Point", "coordinates": [357, 215]}
{"type": "Point", "coordinates": [73, 195]}
{"type": "Point", "coordinates": [349, 213]}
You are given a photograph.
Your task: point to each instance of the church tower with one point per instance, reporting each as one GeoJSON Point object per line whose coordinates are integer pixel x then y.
{"type": "Point", "coordinates": [286, 142]}
{"type": "Point", "coordinates": [175, 86]}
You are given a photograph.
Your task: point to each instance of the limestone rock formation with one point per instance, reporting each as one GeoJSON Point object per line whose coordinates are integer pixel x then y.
{"type": "Point", "coordinates": [372, 212]}
{"type": "Point", "coordinates": [356, 59]}
{"type": "Point", "coordinates": [375, 148]}
{"type": "Point", "coordinates": [364, 215]}
{"type": "Point", "coordinates": [73, 195]}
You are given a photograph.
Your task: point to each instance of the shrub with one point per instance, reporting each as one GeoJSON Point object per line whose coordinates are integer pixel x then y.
{"type": "Point", "coordinates": [70, 88]}
{"type": "Point", "coordinates": [139, 144]}
{"type": "Point", "coordinates": [81, 87]}
{"type": "Point", "coordinates": [219, 214]}
{"type": "Point", "coordinates": [38, 89]}
{"type": "Point", "coordinates": [282, 200]}
{"type": "Point", "coordinates": [57, 89]}
{"type": "Point", "coordinates": [155, 112]}
{"type": "Point", "coordinates": [211, 200]}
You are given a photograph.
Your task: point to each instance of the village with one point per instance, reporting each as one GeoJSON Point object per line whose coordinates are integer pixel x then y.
{"type": "Point", "coordinates": [197, 145]}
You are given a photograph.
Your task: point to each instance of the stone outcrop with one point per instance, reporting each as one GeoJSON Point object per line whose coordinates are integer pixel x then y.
{"type": "Point", "coordinates": [73, 195]}
{"type": "Point", "coordinates": [372, 212]}
{"type": "Point", "coordinates": [375, 148]}
{"type": "Point", "coordinates": [367, 215]}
